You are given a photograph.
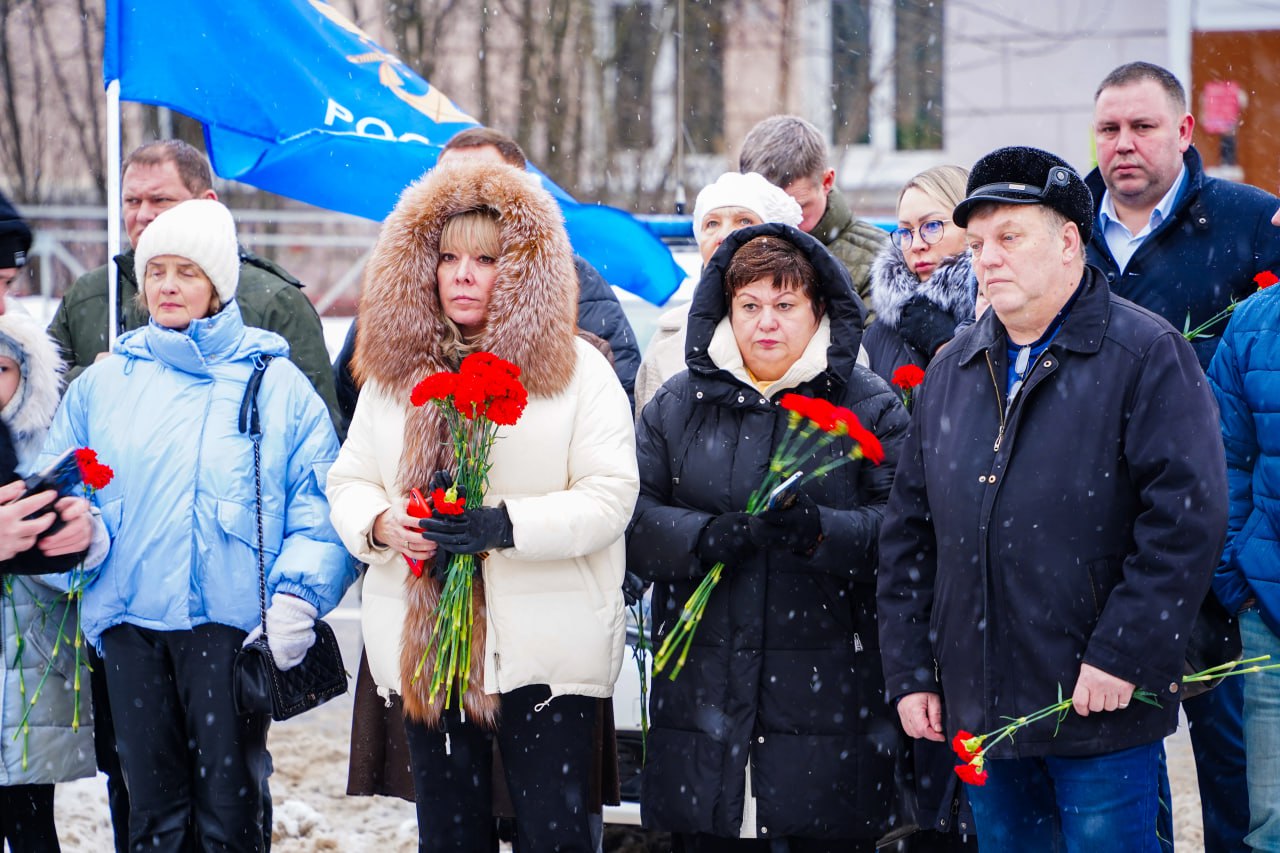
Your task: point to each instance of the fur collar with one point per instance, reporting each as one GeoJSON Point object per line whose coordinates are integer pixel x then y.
{"type": "Point", "coordinates": [951, 287]}
{"type": "Point", "coordinates": [30, 412]}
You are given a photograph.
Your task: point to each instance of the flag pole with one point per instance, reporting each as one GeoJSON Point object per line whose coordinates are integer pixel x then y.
{"type": "Point", "coordinates": [113, 209]}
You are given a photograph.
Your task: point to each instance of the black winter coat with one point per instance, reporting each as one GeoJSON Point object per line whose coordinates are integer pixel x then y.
{"type": "Point", "coordinates": [784, 668]}
{"type": "Point", "coordinates": [1085, 529]}
{"type": "Point", "coordinates": [1218, 237]}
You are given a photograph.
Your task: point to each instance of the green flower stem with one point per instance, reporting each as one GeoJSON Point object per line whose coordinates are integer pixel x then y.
{"type": "Point", "coordinates": [641, 654]}
{"type": "Point", "coordinates": [1199, 331]}
{"type": "Point", "coordinates": [795, 446]}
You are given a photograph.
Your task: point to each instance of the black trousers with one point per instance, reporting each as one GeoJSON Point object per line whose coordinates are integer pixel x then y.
{"type": "Point", "coordinates": [104, 750]}
{"type": "Point", "coordinates": [194, 768]}
{"type": "Point", "coordinates": [546, 756]}
{"type": "Point", "coordinates": [26, 819]}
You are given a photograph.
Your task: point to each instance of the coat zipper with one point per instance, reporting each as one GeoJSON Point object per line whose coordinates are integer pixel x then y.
{"type": "Point", "coordinates": [995, 386]}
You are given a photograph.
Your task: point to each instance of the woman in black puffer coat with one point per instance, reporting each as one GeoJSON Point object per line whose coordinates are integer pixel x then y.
{"type": "Point", "coordinates": [922, 286]}
{"type": "Point", "coordinates": [777, 729]}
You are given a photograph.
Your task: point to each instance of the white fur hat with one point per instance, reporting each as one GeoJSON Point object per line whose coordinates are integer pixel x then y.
{"type": "Point", "coordinates": [200, 230]}
{"type": "Point", "coordinates": [749, 190]}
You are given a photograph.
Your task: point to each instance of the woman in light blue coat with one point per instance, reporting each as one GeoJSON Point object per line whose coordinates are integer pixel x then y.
{"type": "Point", "coordinates": [178, 592]}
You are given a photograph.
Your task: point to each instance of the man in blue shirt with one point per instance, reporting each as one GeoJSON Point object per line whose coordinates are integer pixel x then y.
{"type": "Point", "coordinates": [1183, 245]}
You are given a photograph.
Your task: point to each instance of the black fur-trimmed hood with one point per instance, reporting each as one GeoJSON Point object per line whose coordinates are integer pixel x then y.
{"type": "Point", "coordinates": [952, 287]}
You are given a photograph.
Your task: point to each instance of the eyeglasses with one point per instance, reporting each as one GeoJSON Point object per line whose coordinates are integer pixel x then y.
{"type": "Point", "coordinates": [930, 233]}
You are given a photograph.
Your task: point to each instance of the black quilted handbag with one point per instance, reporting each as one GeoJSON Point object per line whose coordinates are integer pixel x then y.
{"type": "Point", "coordinates": [261, 687]}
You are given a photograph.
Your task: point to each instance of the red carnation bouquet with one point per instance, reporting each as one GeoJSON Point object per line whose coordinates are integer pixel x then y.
{"type": "Point", "coordinates": [812, 426]}
{"type": "Point", "coordinates": [484, 395]}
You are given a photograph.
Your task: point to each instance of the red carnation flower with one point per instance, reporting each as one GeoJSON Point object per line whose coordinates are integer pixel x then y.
{"type": "Point", "coordinates": [444, 506]}
{"type": "Point", "coordinates": [469, 396]}
{"type": "Point", "coordinates": [505, 411]}
{"type": "Point", "coordinates": [1266, 278]}
{"type": "Point", "coordinates": [98, 476]}
{"type": "Point", "coordinates": [866, 440]}
{"type": "Point", "coordinates": [972, 774]}
{"type": "Point", "coordinates": [437, 386]}
{"type": "Point", "coordinates": [959, 744]}
{"type": "Point", "coordinates": [908, 376]}
{"type": "Point", "coordinates": [92, 473]}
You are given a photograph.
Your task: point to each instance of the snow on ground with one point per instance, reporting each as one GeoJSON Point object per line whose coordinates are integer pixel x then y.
{"type": "Point", "coordinates": [313, 814]}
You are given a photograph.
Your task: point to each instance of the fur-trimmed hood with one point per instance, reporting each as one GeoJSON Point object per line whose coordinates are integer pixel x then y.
{"type": "Point", "coordinates": [952, 287]}
{"type": "Point", "coordinates": [30, 412]}
{"type": "Point", "coordinates": [534, 305]}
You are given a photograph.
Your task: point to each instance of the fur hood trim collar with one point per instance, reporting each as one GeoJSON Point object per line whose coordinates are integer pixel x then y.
{"type": "Point", "coordinates": [952, 287]}
{"type": "Point", "coordinates": [30, 412]}
{"type": "Point", "coordinates": [533, 308]}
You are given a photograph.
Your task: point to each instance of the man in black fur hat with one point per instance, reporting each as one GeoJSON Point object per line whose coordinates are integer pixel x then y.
{"type": "Point", "coordinates": [1055, 520]}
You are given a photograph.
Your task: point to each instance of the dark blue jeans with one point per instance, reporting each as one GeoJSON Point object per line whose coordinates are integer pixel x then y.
{"type": "Point", "coordinates": [1094, 804]}
{"type": "Point", "coordinates": [1217, 739]}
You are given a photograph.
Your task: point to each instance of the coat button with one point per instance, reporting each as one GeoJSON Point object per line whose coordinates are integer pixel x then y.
{"type": "Point", "coordinates": [991, 479]}
{"type": "Point", "coordinates": [1048, 363]}
{"type": "Point", "coordinates": [1173, 688]}
{"type": "Point", "coordinates": [764, 830]}
{"type": "Point", "coordinates": [760, 739]}
{"type": "Point", "coordinates": [763, 401]}
{"type": "Point", "coordinates": [699, 395]}
{"type": "Point", "coordinates": [741, 399]}
{"type": "Point", "coordinates": [982, 478]}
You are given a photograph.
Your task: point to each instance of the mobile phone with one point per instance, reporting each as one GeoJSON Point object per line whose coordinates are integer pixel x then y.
{"type": "Point", "coordinates": [783, 495]}
{"type": "Point", "coordinates": [63, 477]}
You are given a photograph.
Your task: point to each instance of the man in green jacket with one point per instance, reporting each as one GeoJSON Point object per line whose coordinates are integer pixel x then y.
{"type": "Point", "coordinates": [157, 176]}
{"type": "Point", "coordinates": [791, 153]}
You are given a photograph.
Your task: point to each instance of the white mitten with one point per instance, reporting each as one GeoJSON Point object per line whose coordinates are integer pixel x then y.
{"type": "Point", "coordinates": [290, 629]}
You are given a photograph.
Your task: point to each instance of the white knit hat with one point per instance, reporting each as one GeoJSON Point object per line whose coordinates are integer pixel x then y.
{"type": "Point", "coordinates": [200, 230]}
{"type": "Point", "coordinates": [750, 190]}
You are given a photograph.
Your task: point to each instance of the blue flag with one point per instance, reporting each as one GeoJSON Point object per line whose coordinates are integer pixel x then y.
{"type": "Point", "coordinates": [298, 100]}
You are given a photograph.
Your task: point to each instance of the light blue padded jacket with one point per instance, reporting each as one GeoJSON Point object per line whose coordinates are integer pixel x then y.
{"type": "Point", "coordinates": [163, 412]}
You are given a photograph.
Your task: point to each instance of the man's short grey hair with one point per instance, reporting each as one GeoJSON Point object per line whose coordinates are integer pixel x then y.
{"type": "Point", "coordinates": [784, 148]}
{"type": "Point", "coordinates": [1135, 72]}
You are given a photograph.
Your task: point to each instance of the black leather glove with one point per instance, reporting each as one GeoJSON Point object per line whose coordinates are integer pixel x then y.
{"type": "Point", "coordinates": [484, 528]}
{"type": "Point", "coordinates": [726, 539]}
{"type": "Point", "coordinates": [797, 529]}
{"type": "Point", "coordinates": [925, 326]}
{"type": "Point", "coordinates": [633, 587]}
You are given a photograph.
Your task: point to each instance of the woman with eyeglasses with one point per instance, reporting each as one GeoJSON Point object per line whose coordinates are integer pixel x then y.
{"type": "Point", "coordinates": [922, 287]}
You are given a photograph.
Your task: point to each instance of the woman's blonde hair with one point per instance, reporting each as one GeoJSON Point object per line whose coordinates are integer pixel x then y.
{"type": "Point", "coordinates": [943, 184]}
{"type": "Point", "coordinates": [472, 232]}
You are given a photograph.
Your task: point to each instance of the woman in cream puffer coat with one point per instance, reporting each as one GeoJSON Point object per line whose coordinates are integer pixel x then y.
{"type": "Point", "coordinates": [549, 631]}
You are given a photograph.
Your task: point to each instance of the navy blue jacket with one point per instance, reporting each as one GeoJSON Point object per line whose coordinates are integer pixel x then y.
{"type": "Point", "coordinates": [1083, 526]}
{"type": "Point", "coordinates": [1246, 380]}
{"type": "Point", "coordinates": [1218, 237]}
